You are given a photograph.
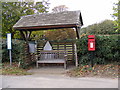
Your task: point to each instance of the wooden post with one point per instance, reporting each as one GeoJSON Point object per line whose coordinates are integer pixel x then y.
{"type": "Point", "coordinates": [65, 46]}
{"type": "Point", "coordinates": [76, 59]}
{"type": "Point", "coordinates": [26, 35]}
{"type": "Point", "coordinates": [22, 34]}
{"type": "Point", "coordinates": [78, 32]}
{"type": "Point", "coordinates": [73, 51]}
{"type": "Point", "coordinates": [58, 46]}
{"type": "Point", "coordinates": [78, 36]}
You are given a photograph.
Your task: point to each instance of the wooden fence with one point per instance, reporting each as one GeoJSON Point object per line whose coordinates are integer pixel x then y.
{"type": "Point", "coordinates": [61, 46]}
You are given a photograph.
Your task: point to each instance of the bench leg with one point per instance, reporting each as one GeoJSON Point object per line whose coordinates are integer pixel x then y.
{"type": "Point", "coordinates": [65, 65]}
{"type": "Point", "coordinates": [36, 64]}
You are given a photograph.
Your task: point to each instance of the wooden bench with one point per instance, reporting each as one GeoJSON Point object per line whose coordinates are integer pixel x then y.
{"type": "Point", "coordinates": [52, 56]}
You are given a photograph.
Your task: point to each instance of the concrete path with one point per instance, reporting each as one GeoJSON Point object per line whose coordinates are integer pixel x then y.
{"type": "Point", "coordinates": [55, 78]}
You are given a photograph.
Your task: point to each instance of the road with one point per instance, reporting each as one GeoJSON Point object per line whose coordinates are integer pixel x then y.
{"type": "Point", "coordinates": [56, 81]}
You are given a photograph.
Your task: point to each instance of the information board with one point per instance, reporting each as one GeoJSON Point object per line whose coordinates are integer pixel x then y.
{"type": "Point", "coordinates": [9, 46]}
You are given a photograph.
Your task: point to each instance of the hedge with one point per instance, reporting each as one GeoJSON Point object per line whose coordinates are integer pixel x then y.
{"type": "Point", "coordinates": [18, 52]}
{"type": "Point", "coordinates": [107, 50]}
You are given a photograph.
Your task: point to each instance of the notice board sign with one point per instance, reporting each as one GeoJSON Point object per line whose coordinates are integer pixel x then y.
{"type": "Point", "coordinates": [9, 46]}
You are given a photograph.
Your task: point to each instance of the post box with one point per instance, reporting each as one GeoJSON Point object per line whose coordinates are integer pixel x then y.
{"type": "Point", "coordinates": [91, 42]}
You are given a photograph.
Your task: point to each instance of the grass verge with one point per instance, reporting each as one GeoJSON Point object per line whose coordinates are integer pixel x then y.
{"type": "Point", "coordinates": [13, 70]}
{"type": "Point", "coordinates": [109, 71]}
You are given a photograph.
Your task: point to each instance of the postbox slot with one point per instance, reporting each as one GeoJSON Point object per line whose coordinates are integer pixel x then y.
{"type": "Point", "coordinates": [91, 42]}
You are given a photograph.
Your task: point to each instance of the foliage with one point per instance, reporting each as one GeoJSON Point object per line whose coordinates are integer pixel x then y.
{"type": "Point", "coordinates": [109, 71]}
{"type": "Point", "coordinates": [60, 8]}
{"type": "Point", "coordinates": [37, 35]}
{"type": "Point", "coordinates": [60, 34]}
{"type": "Point", "coordinates": [12, 12]}
{"type": "Point", "coordinates": [107, 49]}
{"type": "Point", "coordinates": [105, 27]}
{"type": "Point", "coordinates": [18, 53]}
{"type": "Point", "coordinates": [116, 16]}
{"type": "Point", "coordinates": [13, 70]}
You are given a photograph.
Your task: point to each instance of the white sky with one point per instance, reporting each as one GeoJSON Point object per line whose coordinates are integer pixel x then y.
{"type": "Point", "coordinates": [93, 11]}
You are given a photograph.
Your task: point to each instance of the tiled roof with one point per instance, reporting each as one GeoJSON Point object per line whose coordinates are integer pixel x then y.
{"type": "Point", "coordinates": [48, 19]}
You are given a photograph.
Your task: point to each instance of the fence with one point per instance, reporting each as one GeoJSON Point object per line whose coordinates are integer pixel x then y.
{"type": "Point", "coordinates": [61, 46]}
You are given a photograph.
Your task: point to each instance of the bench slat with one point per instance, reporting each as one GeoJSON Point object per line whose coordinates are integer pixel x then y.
{"type": "Point", "coordinates": [52, 56]}
{"type": "Point", "coordinates": [52, 61]}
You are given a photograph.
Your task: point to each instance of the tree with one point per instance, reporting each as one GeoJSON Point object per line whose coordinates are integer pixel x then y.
{"type": "Point", "coordinates": [60, 34]}
{"type": "Point", "coordinates": [12, 12]}
{"type": "Point", "coordinates": [10, 15]}
{"type": "Point", "coordinates": [116, 16]}
{"type": "Point", "coordinates": [37, 35]}
{"type": "Point", "coordinates": [60, 8]}
{"type": "Point", "coordinates": [105, 27]}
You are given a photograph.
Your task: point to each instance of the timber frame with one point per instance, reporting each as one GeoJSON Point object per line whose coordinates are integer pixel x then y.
{"type": "Point", "coordinates": [46, 21]}
{"type": "Point", "coordinates": [26, 32]}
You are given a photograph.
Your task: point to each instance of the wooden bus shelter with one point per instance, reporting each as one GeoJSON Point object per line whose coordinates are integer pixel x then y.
{"type": "Point", "coordinates": [46, 21]}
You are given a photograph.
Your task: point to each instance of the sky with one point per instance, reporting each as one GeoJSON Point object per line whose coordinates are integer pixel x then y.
{"type": "Point", "coordinates": [93, 11]}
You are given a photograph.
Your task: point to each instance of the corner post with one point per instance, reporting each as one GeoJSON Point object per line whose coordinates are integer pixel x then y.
{"type": "Point", "coordinates": [76, 59]}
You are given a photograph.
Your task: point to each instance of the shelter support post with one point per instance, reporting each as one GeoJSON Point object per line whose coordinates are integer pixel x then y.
{"type": "Point", "coordinates": [76, 59]}
{"type": "Point", "coordinates": [10, 57]}
{"type": "Point", "coordinates": [22, 34]}
{"type": "Point", "coordinates": [26, 35]}
{"type": "Point", "coordinates": [77, 32]}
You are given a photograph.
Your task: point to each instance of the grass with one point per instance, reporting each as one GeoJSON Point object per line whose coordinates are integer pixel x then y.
{"type": "Point", "coordinates": [110, 71]}
{"type": "Point", "coordinates": [13, 70]}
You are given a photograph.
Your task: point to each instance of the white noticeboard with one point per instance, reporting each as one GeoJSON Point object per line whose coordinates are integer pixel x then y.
{"type": "Point", "coordinates": [9, 46]}
{"type": "Point", "coordinates": [47, 46]}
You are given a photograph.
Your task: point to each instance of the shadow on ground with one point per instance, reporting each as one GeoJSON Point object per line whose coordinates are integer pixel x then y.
{"type": "Point", "coordinates": [50, 70]}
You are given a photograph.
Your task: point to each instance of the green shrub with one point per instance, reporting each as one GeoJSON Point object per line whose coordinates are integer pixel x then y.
{"type": "Point", "coordinates": [84, 60]}
{"type": "Point", "coordinates": [18, 53]}
{"type": "Point", "coordinates": [13, 70]}
{"type": "Point", "coordinates": [107, 50]}
{"type": "Point", "coordinates": [98, 60]}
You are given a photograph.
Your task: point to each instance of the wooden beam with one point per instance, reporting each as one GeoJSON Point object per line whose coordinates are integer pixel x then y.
{"type": "Point", "coordinates": [78, 32]}
{"type": "Point", "coordinates": [29, 34]}
{"type": "Point", "coordinates": [46, 27]}
{"type": "Point", "coordinates": [23, 35]}
{"type": "Point", "coordinates": [26, 35]}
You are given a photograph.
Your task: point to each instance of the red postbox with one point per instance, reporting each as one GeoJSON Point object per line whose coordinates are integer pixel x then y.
{"type": "Point", "coordinates": [91, 42]}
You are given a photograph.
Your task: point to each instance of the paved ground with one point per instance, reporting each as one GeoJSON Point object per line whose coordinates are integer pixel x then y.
{"type": "Point", "coordinates": [55, 78]}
